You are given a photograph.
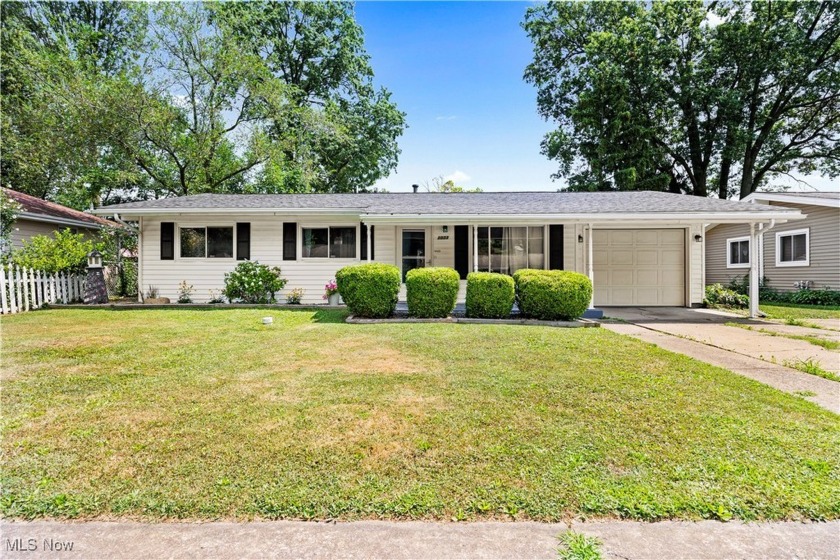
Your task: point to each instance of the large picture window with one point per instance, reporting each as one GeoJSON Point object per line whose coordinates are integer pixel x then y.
{"type": "Point", "coordinates": [329, 242]}
{"type": "Point", "coordinates": [508, 249]}
{"type": "Point", "coordinates": [738, 252]}
{"type": "Point", "coordinates": [792, 248]}
{"type": "Point", "coordinates": [207, 242]}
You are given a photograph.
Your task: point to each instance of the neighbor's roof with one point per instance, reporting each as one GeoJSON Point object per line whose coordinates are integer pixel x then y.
{"type": "Point", "coordinates": [831, 199]}
{"type": "Point", "coordinates": [38, 209]}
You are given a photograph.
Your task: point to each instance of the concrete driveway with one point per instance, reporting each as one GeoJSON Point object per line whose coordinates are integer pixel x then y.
{"type": "Point", "coordinates": [769, 352]}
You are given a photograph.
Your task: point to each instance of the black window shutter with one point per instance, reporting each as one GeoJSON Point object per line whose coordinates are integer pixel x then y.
{"type": "Point", "coordinates": [363, 234]}
{"type": "Point", "coordinates": [243, 241]}
{"type": "Point", "coordinates": [462, 250]}
{"type": "Point", "coordinates": [167, 241]}
{"type": "Point", "coordinates": [555, 247]}
{"type": "Point", "coordinates": [289, 241]}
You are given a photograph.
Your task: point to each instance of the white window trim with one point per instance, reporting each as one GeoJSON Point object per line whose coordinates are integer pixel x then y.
{"type": "Point", "coordinates": [786, 264]}
{"type": "Point", "coordinates": [188, 225]}
{"type": "Point", "coordinates": [302, 227]}
{"type": "Point", "coordinates": [729, 263]}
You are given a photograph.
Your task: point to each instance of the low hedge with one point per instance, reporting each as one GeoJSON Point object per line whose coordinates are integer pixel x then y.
{"type": "Point", "coordinates": [431, 292]}
{"type": "Point", "coordinates": [550, 295]}
{"type": "Point", "coordinates": [489, 295]}
{"type": "Point", "coordinates": [716, 295]}
{"type": "Point", "coordinates": [369, 290]}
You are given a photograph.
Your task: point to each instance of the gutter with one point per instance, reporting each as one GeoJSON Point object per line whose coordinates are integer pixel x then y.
{"type": "Point", "coordinates": [60, 221]}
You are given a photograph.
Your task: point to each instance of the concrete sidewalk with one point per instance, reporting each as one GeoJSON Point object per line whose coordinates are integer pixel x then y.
{"type": "Point", "coordinates": [670, 540]}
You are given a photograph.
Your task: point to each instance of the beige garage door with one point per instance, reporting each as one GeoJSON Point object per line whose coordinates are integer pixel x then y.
{"type": "Point", "coordinates": [639, 267]}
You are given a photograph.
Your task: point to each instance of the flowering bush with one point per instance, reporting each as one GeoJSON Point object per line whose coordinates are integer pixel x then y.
{"type": "Point", "coordinates": [330, 289]}
{"type": "Point", "coordinates": [185, 292]}
{"type": "Point", "coordinates": [252, 282]}
{"type": "Point", "coordinates": [295, 296]}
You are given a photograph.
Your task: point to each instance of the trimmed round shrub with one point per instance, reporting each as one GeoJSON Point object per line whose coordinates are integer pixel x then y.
{"type": "Point", "coordinates": [552, 294]}
{"type": "Point", "coordinates": [369, 290]}
{"type": "Point", "coordinates": [431, 292]}
{"type": "Point", "coordinates": [489, 295]}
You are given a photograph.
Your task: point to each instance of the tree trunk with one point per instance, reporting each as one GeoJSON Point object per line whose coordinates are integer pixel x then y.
{"type": "Point", "coordinates": [747, 183]}
{"type": "Point", "coordinates": [723, 179]}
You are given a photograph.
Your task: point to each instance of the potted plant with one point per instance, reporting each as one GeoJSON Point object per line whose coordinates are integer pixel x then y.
{"type": "Point", "coordinates": [331, 293]}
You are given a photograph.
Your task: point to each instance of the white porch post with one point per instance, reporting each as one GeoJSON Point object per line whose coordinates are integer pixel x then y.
{"type": "Point", "coordinates": [475, 248]}
{"type": "Point", "coordinates": [591, 268]}
{"type": "Point", "coordinates": [754, 277]}
{"type": "Point", "coordinates": [367, 231]}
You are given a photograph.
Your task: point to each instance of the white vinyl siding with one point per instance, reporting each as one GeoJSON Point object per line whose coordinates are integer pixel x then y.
{"type": "Point", "coordinates": [266, 247]}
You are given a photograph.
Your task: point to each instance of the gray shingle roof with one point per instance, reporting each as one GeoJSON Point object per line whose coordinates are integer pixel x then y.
{"type": "Point", "coordinates": [497, 203]}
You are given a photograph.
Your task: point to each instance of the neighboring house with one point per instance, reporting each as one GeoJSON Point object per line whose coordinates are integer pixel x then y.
{"type": "Point", "coordinates": [647, 250]}
{"type": "Point", "coordinates": [41, 217]}
{"type": "Point", "coordinates": [805, 253]}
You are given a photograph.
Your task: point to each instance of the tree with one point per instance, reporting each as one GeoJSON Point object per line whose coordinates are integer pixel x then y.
{"type": "Point", "coordinates": [440, 185]}
{"type": "Point", "coordinates": [660, 96]}
{"type": "Point", "coordinates": [317, 49]}
{"type": "Point", "coordinates": [54, 147]}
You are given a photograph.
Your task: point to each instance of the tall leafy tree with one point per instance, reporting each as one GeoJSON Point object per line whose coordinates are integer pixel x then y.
{"type": "Point", "coordinates": [317, 49]}
{"type": "Point", "coordinates": [53, 52]}
{"type": "Point", "coordinates": [687, 95]}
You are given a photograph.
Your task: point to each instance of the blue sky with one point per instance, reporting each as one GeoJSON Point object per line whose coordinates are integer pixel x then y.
{"type": "Point", "coordinates": [455, 68]}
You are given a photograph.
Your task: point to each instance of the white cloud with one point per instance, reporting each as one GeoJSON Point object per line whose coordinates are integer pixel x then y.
{"type": "Point", "coordinates": [446, 118]}
{"type": "Point", "coordinates": [457, 177]}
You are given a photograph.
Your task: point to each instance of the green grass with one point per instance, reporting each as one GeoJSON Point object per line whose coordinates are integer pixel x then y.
{"type": "Point", "coordinates": [188, 414]}
{"type": "Point", "coordinates": [813, 367]}
{"type": "Point", "coordinates": [577, 546]}
{"type": "Point", "coordinates": [794, 311]}
{"type": "Point", "coordinates": [815, 340]}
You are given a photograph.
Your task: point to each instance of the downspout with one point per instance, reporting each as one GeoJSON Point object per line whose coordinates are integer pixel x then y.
{"type": "Point", "coordinates": [755, 266]}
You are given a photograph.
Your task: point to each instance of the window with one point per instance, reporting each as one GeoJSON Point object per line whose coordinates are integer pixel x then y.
{"type": "Point", "coordinates": [508, 249]}
{"type": "Point", "coordinates": [792, 248]}
{"type": "Point", "coordinates": [329, 242]}
{"type": "Point", "coordinates": [210, 242]}
{"type": "Point", "coordinates": [738, 252]}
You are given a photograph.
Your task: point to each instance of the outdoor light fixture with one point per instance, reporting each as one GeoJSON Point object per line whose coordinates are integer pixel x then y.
{"type": "Point", "coordinates": [580, 239]}
{"type": "Point", "coordinates": [445, 229]}
{"type": "Point", "coordinates": [698, 238]}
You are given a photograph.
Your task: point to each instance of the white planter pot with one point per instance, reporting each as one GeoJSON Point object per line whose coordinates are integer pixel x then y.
{"type": "Point", "coordinates": [333, 299]}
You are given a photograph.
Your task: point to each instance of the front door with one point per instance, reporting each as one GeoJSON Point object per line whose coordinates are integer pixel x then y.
{"type": "Point", "coordinates": [413, 250]}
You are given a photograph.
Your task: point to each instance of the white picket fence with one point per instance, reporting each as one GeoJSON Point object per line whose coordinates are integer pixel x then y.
{"type": "Point", "coordinates": [22, 289]}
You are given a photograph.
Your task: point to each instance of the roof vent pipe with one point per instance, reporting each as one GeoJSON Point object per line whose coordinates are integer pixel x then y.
{"type": "Point", "coordinates": [415, 187]}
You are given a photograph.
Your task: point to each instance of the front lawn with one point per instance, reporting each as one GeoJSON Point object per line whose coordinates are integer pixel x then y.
{"type": "Point", "coordinates": [794, 311]}
{"type": "Point", "coordinates": [209, 414]}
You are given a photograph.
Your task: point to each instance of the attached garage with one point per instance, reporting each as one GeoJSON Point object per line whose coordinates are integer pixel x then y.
{"type": "Point", "coordinates": [639, 267]}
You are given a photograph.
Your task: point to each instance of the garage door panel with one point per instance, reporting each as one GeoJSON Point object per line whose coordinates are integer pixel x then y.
{"type": "Point", "coordinates": [639, 267]}
{"type": "Point", "coordinates": [647, 296]}
{"type": "Point", "coordinates": [647, 277]}
{"type": "Point", "coordinates": [673, 257]}
{"type": "Point", "coordinates": [621, 258]}
{"type": "Point", "coordinates": [646, 257]}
